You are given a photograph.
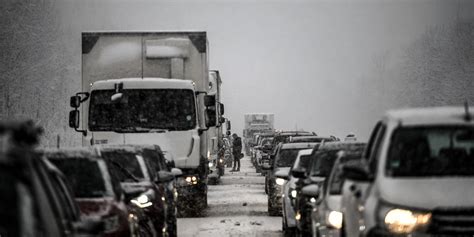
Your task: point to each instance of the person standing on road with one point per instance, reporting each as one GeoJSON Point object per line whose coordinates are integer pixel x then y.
{"type": "Point", "coordinates": [236, 151]}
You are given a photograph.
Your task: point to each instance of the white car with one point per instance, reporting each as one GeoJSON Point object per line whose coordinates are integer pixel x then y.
{"type": "Point", "coordinates": [416, 178]}
{"type": "Point", "coordinates": [290, 193]}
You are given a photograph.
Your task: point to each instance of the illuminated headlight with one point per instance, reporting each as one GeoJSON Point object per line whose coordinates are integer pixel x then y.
{"type": "Point", "coordinates": [221, 160]}
{"type": "Point", "coordinates": [111, 223]}
{"type": "Point", "coordinates": [293, 193]}
{"type": "Point", "coordinates": [335, 219]}
{"type": "Point", "coordinates": [402, 221]}
{"type": "Point", "coordinates": [189, 180]}
{"type": "Point", "coordinates": [297, 216]}
{"type": "Point", "coordinates": [142, 201]}
{"type": "Point", "coordinates": [279, 181]}
{"type": "Point", "coordinates": [211, 164]}
{"type": "Point", "coordinates": [312, 200]}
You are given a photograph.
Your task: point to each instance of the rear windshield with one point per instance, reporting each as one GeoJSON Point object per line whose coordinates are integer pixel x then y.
{"type": "Point", "coordinates": [84, 175]}
{"type": "Point", "coordinates": [123, 165]}
{"type": "Point", "coordinates": [287, 157]}
{"type": "Point", "coordinates": [431, 151]}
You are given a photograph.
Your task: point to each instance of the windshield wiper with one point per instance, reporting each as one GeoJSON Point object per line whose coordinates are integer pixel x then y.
{"type": "Point", "coordinates": [124, 171]}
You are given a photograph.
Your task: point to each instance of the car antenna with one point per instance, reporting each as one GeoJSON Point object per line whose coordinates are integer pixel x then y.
{"type": "Point", "coordinates": [467, 116]}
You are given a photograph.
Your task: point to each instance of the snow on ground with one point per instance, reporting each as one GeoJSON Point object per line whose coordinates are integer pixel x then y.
{"type": "Point", "coordinates": [237, 207]}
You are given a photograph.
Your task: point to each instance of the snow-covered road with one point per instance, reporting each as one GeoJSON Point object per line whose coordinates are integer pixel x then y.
{"type": "Point", "coordinates": [237, 207]}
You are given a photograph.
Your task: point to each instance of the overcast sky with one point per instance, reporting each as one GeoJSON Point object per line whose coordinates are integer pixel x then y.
{"type": "Point", "coordinates": [298, 59]}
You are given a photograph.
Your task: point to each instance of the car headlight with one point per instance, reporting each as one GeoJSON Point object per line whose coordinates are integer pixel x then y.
{"type": "Point", "coordinates": [293, 193]}
{"type": "Point", "coordinates": [142, 201]}
{"type": "Point", "coordinates": [221, 160]}
{"type": "Point", "coordinates": [211, 164]}
{"type": "Point", "coordinates": [335, 219]}
{"type": "Point", "coordinates": [188, 180]}
{"type": "Point", "coordinates": [280, 181]}
{"type": "Point", "coordinates": [402, 221]}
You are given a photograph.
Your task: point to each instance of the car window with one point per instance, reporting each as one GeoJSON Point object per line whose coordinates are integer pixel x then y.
{"type": "Point", "coordinates": [431, 151]}
{"type": "Point", "coordinates": [123, 164]}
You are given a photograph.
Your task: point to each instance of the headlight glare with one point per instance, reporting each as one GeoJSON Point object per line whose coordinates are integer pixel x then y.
{"type": "Point", "coordinates": [294, 193]}
{"type": "Point", "coordinates": [142, 201]}
{"type": "Point", "coordinates": [335, 219]}
{"type": "Point", "coordinates": [279, 181]}
{"type": "Point", "coordinates": [402, 221]}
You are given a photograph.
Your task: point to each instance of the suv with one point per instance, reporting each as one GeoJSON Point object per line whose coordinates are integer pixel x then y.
{"type": "Point", "coordinates": [321, 164]}
{"type": "Point", "coordinates": [143, 169]}
{"type": "Point", "coordinates": [284, 159]}
{"type": "Point", "coordinates": [35, 198]}
{"type": "Point", "coordinates": [99, 194]}
{"type": "Point", "coordinates": [416, 176]}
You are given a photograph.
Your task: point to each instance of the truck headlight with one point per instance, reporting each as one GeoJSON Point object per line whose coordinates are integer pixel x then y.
{"type": "Point", "coordinates": [188, 180]}
{"type": "Point", "coordinates": [280, 181]}
{"type": "Point", "coordinates": [142, 201]}
{"type": "Point", "coordinates": [335, 219]}
{"type": "Point", "coordinates": [402, 221]}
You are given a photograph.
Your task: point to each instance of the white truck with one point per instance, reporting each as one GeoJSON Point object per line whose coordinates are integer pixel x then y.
{"type": "Point", "coordinates": [150, 88]}
{"type": "Point", "coordinates": [256, 123]}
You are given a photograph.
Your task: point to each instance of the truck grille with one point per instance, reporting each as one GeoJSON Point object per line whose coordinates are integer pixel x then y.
{"type": "Point", "coordinates": [458, 222]}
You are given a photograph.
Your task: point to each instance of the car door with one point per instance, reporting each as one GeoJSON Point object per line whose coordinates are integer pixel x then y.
{"type": "Point", "coordinates": [355, 193]}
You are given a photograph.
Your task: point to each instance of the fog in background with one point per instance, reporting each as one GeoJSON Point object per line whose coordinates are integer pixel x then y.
{"type": "Point", "coordinates": [332, 67]}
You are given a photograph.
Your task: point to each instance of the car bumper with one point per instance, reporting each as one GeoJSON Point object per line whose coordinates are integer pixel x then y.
{"type": "Point", "coordinates": [289, 213]}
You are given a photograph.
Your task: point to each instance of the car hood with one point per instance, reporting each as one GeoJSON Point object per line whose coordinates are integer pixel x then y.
{"type": "Point", "coordinates": [428, 193]}
{"type": "Point", "coordinates": [95, 206]}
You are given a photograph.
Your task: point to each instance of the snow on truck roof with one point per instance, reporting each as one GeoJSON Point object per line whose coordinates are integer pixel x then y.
{"type": "Point", "coordinates": [430, 115]}
{"type": "Point", "coordinates": [147, 82]}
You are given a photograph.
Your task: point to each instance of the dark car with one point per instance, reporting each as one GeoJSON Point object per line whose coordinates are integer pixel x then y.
{"type": "Point", "coordinates": [284, 159]}
{"type": "Point", "coordinates": [322, 162]}
{"type": "Point", "coordinates": [35, 198]}
{"type": "Point", "coordinates": [99, 194]}
{"type": "Point", "coordinates": [326, 218]}
{"type": "Point", "coordinates": [143, 169]}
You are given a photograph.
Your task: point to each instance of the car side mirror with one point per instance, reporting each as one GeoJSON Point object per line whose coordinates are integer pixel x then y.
{"type": "Point", "coordinates": [176, 172]}
{"type": "Point", "coordinates": [266, 166]}
{"type": "Point", "coordinates": [89, 226]}
{"type": "Point", "coordinates": [357, 172]}
{"type": "Point", "coordinates": [164, 177]}
{"type": "Point", "coordinates": [170, 164]}
{"type": "Point", "coordinates": [282, 174]}
{"type": "Point", "coordinates": [228, 133]}
{"type": "Point", "coordinates": [298, 173]}
{"type": "Point", "coordinates": [311, 190]}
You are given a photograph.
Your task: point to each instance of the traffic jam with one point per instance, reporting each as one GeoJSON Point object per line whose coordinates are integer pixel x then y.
{"type": "Point", "coordinates": [150, 150]}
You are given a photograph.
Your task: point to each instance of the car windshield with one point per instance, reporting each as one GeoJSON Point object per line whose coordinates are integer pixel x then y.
{"type": "Point", "coordinates": [286, 157]}
{"type": "Point", "coordinates": [142, 110]}
{"type": "Point", "coordinates": [84, 175]}
{"type": "Point", "coordinates": [123, 165]}
{"type": "Point", "coordinates": [431, 151]}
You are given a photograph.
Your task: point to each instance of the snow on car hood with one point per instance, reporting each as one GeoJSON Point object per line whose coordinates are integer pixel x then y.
{"type": "Point", "coordinates": [181, 144]}
{"type": "Point", "coordinates": [428, 193]}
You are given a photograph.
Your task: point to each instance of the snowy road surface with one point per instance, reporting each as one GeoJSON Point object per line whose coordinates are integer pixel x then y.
{"type": "Point", "coordinates": [237, 207]}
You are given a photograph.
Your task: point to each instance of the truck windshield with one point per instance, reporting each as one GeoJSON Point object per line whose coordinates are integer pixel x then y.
{"type": "Point", "coordinates": [141, 110]}
{"type": "Point", "coordinates": [431, 151]}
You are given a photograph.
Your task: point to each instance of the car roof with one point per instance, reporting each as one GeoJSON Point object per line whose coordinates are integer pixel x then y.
{"type": "Point", "coordinates": [67, 153]}
{"type": "Point", "coordinates": [302, 145]}
{"type": "Point", "coordinates": [341, 145]}
{"type": "Point", "coordinates": [430, 115]}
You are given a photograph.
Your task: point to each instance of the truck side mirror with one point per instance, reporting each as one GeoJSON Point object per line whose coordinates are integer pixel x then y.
{"type": "Point", "coordinates": [221, 120]}
{"type": "Point", "coordinates": [75, 101]}
{"type": "Point", "coordinates": [74, 117]}
{"type": "Point", "coordinates": [221, 109]}
{"type": "Point", "coordinates": [209, 100]}
{"type": "Point", "coordinates": [211, 119]}
{"type": "Point", "coordinates": [228, 133]}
